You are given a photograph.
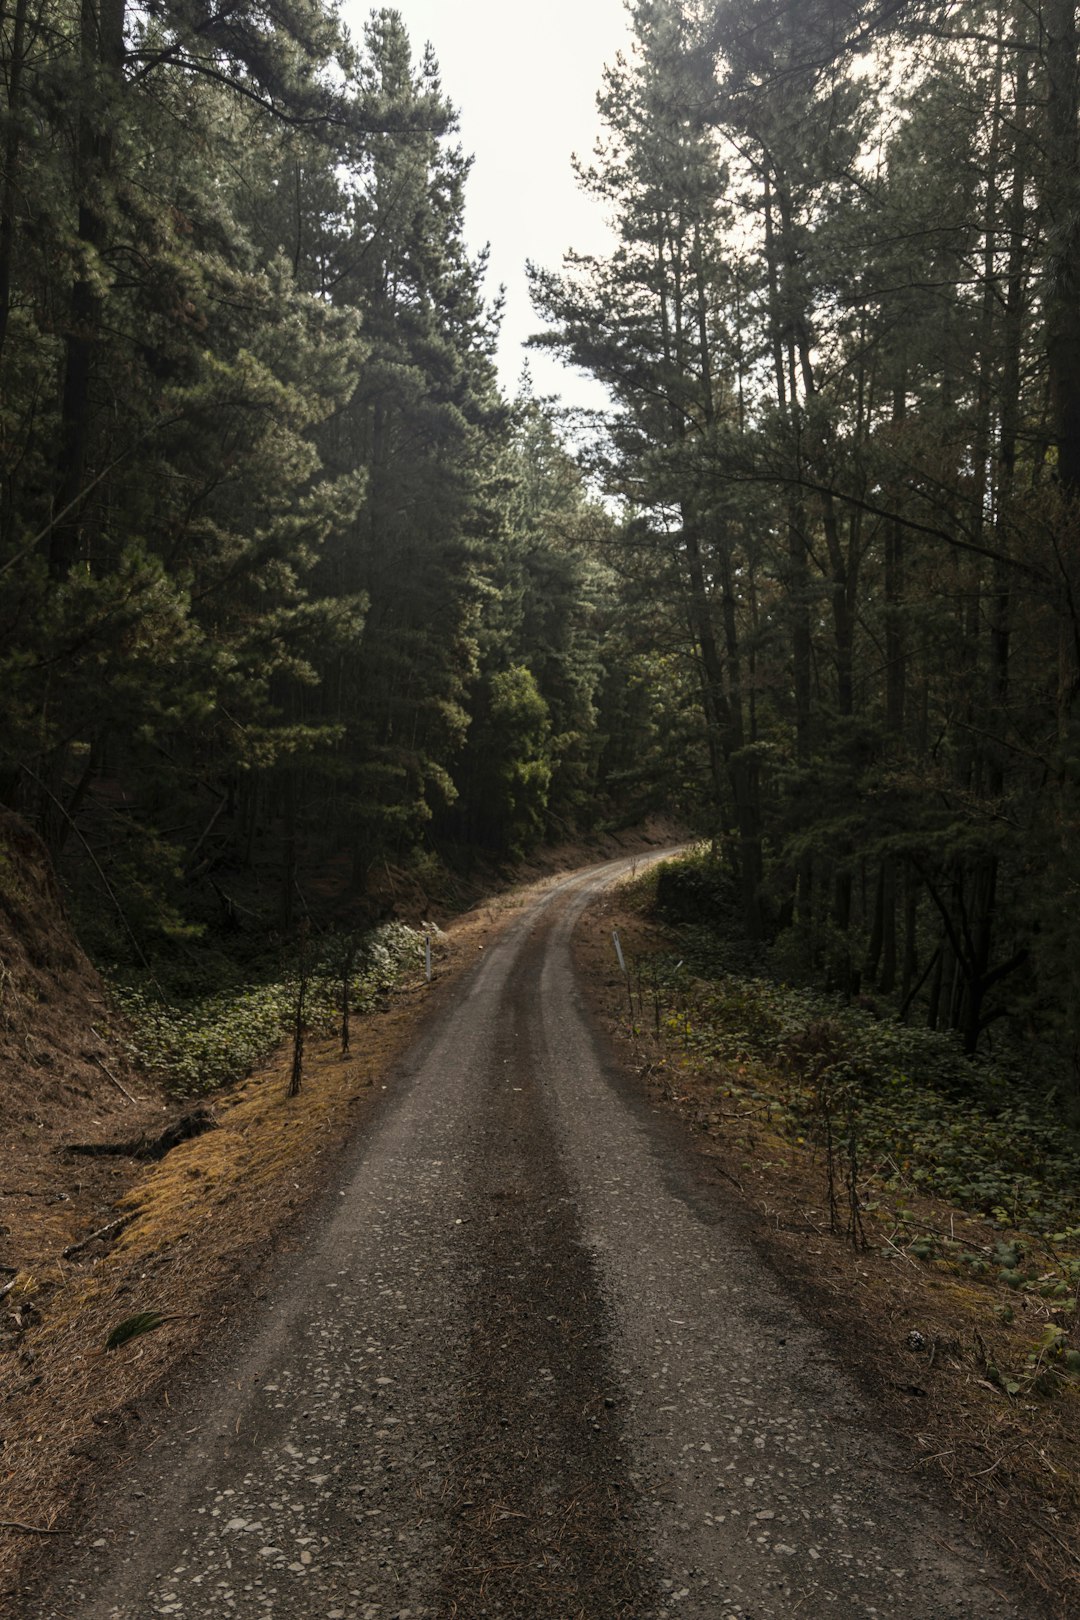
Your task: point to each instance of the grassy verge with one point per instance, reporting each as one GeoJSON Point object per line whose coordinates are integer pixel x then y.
{"type": "Point", "coordinates": [929, 1210]}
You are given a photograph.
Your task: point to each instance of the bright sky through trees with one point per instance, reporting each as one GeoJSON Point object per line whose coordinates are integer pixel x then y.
{"type": "Point", "coordinates": [525, 82]}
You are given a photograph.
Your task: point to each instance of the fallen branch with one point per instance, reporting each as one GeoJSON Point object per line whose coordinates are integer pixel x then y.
{"type": "Point", "coordinates": [104, 1067]}
{"type": "Point", "coordinates": [901, 1252]}
{"type": "Point", "coordinates": [727, 1175]}
{"type": "Point", "coordinates": [150, 1147]}
{"type": "Point", "coordinates": [31, 1529]}
{"type": "Point", "coordinates": [102, 1232]}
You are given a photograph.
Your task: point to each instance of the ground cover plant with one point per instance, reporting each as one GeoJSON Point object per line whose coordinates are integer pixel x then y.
{"type": "Point", "coordinates": [922, 1209]}
{"type": "Point", "coordinates": [893, 1115]}
{"type": "Point", "coordinates": [198, 1038]}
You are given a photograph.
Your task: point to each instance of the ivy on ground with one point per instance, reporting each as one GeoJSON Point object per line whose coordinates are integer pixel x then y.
{"type": "Point", "coordinates": [199, 1040]}
{"type": "Point", "coordinates": [925, 1115]}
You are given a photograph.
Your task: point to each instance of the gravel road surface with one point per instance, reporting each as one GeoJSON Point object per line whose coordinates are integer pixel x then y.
{"type": "Point", "coordinates": [526, 1366]}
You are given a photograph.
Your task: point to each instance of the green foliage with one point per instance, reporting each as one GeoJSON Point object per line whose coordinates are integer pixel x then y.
{"type": "Point", "coordinates": [506, 770]}
{"type": "Point", "coordinates": [698, 890]}
{"type": "Point", "coordinates": [925, 1115]}
{"type": "Point", "coordinates": [132, 1327]}
{"type": "Point", "coordinates": [198, 1041]}
{"type": "Point", "coordinates": [1048, 1366]}
{"type": "Point", "coordinates": [272, 545]}
{"type": "Point", "coordinates": [1007, 1164]}
{"type": "Point", "coordinates": [831, 322]}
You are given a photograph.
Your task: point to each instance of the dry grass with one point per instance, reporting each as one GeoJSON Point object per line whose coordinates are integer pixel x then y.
{"type": "Point", "coordinates": [199, 1222]}
{"type": "Point", "coordinates": [1012, 1463]}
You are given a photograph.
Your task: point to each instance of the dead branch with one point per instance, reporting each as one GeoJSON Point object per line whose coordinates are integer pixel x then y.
{"type": "Point", "coordinates": [102, 1232]}
{"type": "Point", "coordinates": [31, 1529]}
{"type": "Point", "coordinates": [104, 1067]}
{"type": "Point", "coordinates": [150, 1147]}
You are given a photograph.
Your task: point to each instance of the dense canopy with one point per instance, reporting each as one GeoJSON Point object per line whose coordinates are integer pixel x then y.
{"type": "Point", "coordinates": [289, 589]}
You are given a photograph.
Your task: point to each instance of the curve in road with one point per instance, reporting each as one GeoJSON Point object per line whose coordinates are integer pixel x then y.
{"type": "Point", "coordinates": [524, 1368]}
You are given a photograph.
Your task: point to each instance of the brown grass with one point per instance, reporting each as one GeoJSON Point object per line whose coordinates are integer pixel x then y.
{"type": "Point", "coordinates": [200, 1221]}
{"type": "Point", "coordinates": [1011, 1463]}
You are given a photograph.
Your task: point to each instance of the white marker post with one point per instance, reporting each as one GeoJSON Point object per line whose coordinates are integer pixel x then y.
{"type": "Point", "coordinates": [427, 956]}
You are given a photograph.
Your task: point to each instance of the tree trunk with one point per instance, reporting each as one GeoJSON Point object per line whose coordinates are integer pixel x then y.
{"type": "Point", "coordinates": [877, 933]}
{"type": "Point", "coordinates": [1013, 332]}
{"type": "Point", "coordinates": [941, 967]}
{"type": "Point", "coordinates": [1061, 201]}
{"type": "Point", "coordinates": [887, 981]}
{"type": "Point", "coordinates": [288, 848]}
{"type": "Point", "coordinates": [102, 54]}
{"type": "Point", "coordinates": [11, 164]}
{"type": "Point", "coordinates": [797, 584]}
{"type": "Point", "coordinates": [699, 610]}
{"type": "Point", "coordinates": [911, 939]}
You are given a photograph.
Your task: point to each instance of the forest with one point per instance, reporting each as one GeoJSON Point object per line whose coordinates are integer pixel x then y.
{"type": "Point", "coordinates": [290, 591]}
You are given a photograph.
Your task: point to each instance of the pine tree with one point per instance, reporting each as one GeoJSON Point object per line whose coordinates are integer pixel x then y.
{"type": "Point", "coordinates": [652, 322]}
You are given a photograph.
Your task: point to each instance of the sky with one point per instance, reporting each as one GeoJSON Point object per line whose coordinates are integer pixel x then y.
{"type": "Point", "coordinates": [524, 80]}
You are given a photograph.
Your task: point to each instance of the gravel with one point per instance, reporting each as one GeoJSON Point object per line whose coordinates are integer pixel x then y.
{"type": "Point", "coordinates": [524, 1367]}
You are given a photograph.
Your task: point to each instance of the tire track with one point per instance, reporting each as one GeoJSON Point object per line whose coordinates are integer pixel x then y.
{"type": "Point", "coordinates": [545, 1529]}
{"type": "Point", "coordinates": [526, 1367]}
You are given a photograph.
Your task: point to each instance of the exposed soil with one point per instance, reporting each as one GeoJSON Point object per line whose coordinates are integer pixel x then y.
{"type": "Point", "coordinates": [65, 1076]}
{"type": "Point", "coordinates": [917, 1339]}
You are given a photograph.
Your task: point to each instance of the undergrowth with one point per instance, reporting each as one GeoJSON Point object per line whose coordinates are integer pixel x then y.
{"type": "Point", "coordinates": [198, 1039]}
{"type": "Point", "coordinates": [924, 1115]}
{"type": "Point", "coordinates": [895, 1112]}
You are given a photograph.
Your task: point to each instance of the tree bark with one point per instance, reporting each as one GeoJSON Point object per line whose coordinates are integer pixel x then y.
{"type": "Point", "coordinates": [102, 55]}
{"type": "Point", "coordinates": [12, 144]}
{"type": "Point", "coordinates": [1062, 210]}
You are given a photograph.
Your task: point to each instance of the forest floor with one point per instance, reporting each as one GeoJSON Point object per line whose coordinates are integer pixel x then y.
{"type": "Point", "coordinates": [201, 1222]}
{"type": "Point", "coordinates": [931, 1349]}
{"type": "Point", "coordinates": [184, 1237]}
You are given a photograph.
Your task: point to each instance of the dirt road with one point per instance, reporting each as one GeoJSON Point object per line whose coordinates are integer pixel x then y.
{"type": "Point", "coordinates": [525, 1366]}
